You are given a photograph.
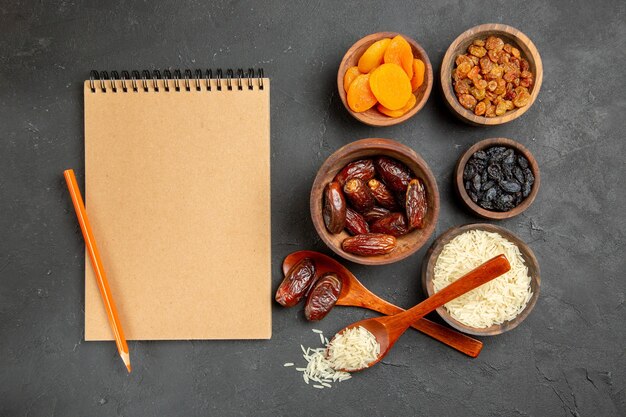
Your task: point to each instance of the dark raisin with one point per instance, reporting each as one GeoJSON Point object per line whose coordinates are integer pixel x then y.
{"type": "Point", "coordinates": [495, 172]}
{"type": "Point", "coordinates": [528, 174]}
{"type": "Point", "coordinates": [487, 185]}
{"type": "Point", "coordinates": [504, 202]}
{"type": "Point", "coordinates": [509, 157]}
{"type": "Point", "coordinates": [526, 189]}
{"type": "Point", "coordinates": [480, 155]}
{"type": "Point", "coordinates": [488, 205]}
{"type": "Point", "coordinates": [518, 174]}
{"type": "Point", "coordinates": [507, 170]}
{"type": "Point", "coordinates": [469, 172]}
{"type": "Point", "coordinates": [490, 194]}
{"type": "Point", "coordinates": [476, 183]}
{"type": "Point", "coordinates": [473, 196]}
{"type": "Point", "coordinates": [496, 151]}
{"type": "Point", "coordinates": [518, 198]}
{"type": "Point", "coordinates": [511, 186]}
{"type": "Point", "coordinates": [468, 185]}
{"type": "Point", "coordinates": [522, 162]}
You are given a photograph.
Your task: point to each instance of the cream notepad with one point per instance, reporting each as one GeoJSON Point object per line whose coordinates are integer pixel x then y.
{"type": "Point", "coordinates": [177, 187]}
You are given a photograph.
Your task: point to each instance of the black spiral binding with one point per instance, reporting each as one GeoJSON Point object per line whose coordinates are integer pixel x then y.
{"type": "Point", "coordinates": [135, 81]}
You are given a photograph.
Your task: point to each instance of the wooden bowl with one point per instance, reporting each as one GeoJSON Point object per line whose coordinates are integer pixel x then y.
{"type": "Point", "coordinates": [372, 116]}
{"type": "Point", "coordinates": [459, 46]}
{"type": "Point", "coordinates": [475, 208]}
{"type": "Point", "coordinates": [366, 148]}
{"type": "Point", "coordinates": [433, 253]}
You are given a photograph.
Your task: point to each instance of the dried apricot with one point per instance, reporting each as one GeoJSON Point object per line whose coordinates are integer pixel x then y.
{"type": "Point", "coordinates": [419, 68]}
{"type": "Point", "coordinates": [399, 52]}
{"type": "Point", "coordinates": [349, 76]}
{"type": "Point", "coordinates": [373, 55]}
{"type": "Point", "coordinates": [390, 85]}
{"type": "Point", "coordinates": [360, 97]}
{"type": "Point", "coordinates": [397, 113]}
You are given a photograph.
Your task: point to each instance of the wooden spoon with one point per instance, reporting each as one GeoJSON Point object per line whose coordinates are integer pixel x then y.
{"type": "Point", "coordinates": [388, 329]}
{"type": "Point", "coordinates": [354, 294]}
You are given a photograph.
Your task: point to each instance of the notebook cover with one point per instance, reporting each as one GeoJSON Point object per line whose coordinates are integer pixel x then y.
{"type": "Point", "coordinates": [177, 187]}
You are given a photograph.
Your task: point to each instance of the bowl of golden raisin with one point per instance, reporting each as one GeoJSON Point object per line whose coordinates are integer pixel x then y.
{"type": "Point", "coordinates": [491, 74]}
{"type": "Point", "coordinates": [384, 79]}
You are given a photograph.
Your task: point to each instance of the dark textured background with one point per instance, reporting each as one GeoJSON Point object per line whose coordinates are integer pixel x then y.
{"type": "Point", "coordinates": [566, 359]}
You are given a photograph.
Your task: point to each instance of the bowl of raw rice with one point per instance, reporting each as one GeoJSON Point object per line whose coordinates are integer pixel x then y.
{"type": "Point", "coordinates": [497, 306]}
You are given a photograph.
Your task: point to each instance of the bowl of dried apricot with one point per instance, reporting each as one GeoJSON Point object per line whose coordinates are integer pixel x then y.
{"type": "Point", "coordinates": [374, 201]}
{"type": "Point", "coordinates": [491, 74]}
{"type": "Point", "coordinates": [384, 79]}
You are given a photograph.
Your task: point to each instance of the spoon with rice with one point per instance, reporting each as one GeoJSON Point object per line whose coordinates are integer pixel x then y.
{"type": "Point", "coordinates": [366, 342]}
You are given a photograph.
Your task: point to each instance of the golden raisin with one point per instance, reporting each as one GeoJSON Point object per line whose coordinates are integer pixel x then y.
{"type": "Point", "coordinates": [480, 109]}
{"type": "Point", "coordinates": [474, 73]}
{"type": "Point", "coordinates": [486, 64]}
{"type": "Point", "coordinates": [462, 58]}
{"type": "Point", "coordinates": [474, 59]}
{"type": "Point", "coordinates": [468, 101]}
{"type": "Point", "coordinates": [526, 74]}
{"type": "Point", "coordinates": [464, 68]}
{"type": "Point", "coordinates": [515, 52]}
{"type": "Point", "coordinates": [526, 82]}
{"type": "Point", "coordinates": [493, 42]}
{"type": "Point", "coordinates": [492, 85]}
{"type": "Point", "coordinates": [493, 55]}
{"type": "Point", "coordinates": [479, 94]}
{"type": "Point", "coordinates": [507, 47]}
{"type": "Point", "coordinates": [491, 111]}
{"type": "Point", "coordinates": [462, 86]}
{"type": "Point", "coordinates": [522, 99]}
{"type": "Point", "coordinates": [479, 42]}
{"type": "Point", "coordinates": [509, 105]}
{"type": "Point", "coordinates": [481, 84]}
{"type": "Point", "coordinates": [500, 108]}
{"type": "Point", "coordinates": [477, 51]}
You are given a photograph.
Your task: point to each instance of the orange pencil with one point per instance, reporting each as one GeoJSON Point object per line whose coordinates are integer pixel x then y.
{"type": "Point", "coordinates": [96, 262]}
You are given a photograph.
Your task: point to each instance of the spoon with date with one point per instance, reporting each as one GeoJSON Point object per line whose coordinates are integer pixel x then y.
{"type": "Point", "coordinates": [354, 294]}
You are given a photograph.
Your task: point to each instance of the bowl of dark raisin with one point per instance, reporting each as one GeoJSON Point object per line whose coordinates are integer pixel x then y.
{"type": "Point", "coordinates": [374, 202]}
{"type": "Point", "coordinates": [497, 178]}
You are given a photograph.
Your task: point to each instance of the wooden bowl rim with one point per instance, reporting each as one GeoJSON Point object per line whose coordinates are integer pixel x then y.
{"type": "Point", "coordinates": [475, 208]}
{"type": "Point", "coordinates": [433, 253]}
{"type": "Point", "coordinates": [383, 145]}
{"type": "Point", "coordinates": [523, 42]}
{"type": "Point", "coordinates": [387, 121]}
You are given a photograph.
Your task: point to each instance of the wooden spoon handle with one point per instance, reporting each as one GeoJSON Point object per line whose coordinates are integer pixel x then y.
{"type": "Point", "coordinates": [463, 343]}
{"type": "Point", "coordinates": [491, 269]}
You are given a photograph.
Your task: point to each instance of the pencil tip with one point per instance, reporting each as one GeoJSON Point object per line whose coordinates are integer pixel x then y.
{"type": "Point", "coordinates": [126, 358]}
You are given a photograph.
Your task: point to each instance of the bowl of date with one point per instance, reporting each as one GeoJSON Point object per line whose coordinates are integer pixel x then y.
{"type": "Point", "coordinates": [374, 201]}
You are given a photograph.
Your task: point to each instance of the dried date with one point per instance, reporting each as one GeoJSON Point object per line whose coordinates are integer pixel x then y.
{"type": "Point", "coordinates": [355, 223]}
{"type": "Point", "coordinates": [392, 224]}
{"type": "Point", "coordinates": [375, 213]}
{"type": "Point", "coordinates": [296, 283]}
{"type": "Point", "coordinates": [370, 244]}
{"type": "Point", "coordinates": [382, 195]}
{"type": "Point", "coordinates": [359, 195]}
{"type": "Point", "coordinates": [394, 174]}
{"type": "Point", "coordinates": [334, 209]}
{"type": "Point", "coordinates": [416, 204]}
{"type": "Point", "coordinates": [362, 169]}
{"type": "Point", "coordinates": [323, 297]}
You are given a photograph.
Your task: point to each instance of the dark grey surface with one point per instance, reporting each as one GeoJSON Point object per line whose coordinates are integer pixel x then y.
{"type": "Point", "coordinates": [566, 359]}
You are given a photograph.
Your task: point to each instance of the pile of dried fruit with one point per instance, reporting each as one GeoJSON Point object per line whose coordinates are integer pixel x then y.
{"type": "Point", "coordinates": [387, 74]}
{"type": "Point", "coordinates": [498, 178]}
{"type": "Point", "coordinates": [375, 200]}
{"type": "Point", "coordinates": [492, 78]}
{"type": "Point", "coordinates": [321, 292]}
